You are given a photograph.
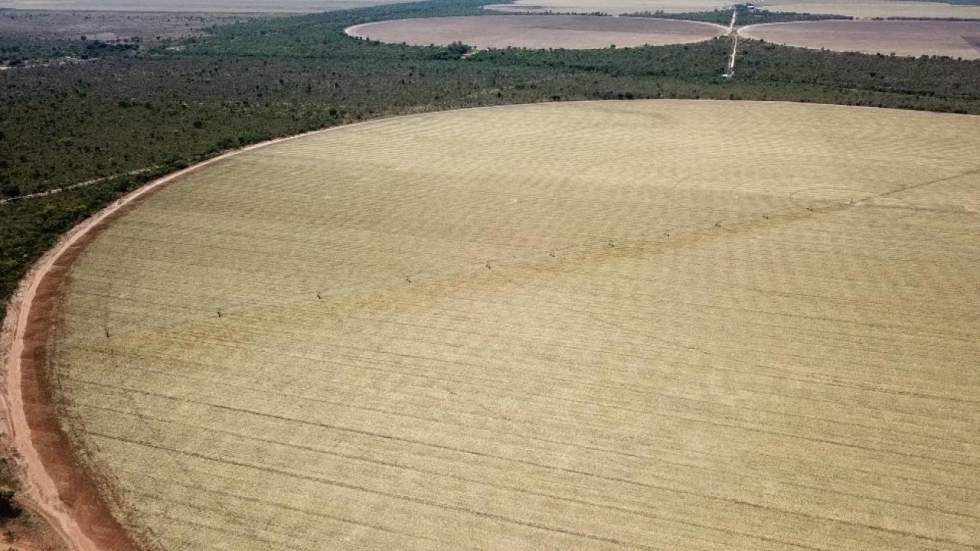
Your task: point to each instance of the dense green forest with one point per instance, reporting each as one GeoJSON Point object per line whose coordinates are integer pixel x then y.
{"type": "Point", "coordinates": [17, 52]}
{"type": "Point", "coordinates": [157, 109]}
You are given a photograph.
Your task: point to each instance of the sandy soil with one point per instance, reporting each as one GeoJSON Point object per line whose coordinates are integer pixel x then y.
{"type": "Point", "coordinates": [957, 39]}
{"type": "Point", "coordinates": [199, 6]}
{"type": "Point", "coordinates": [853, 8]}
{"type": "Point", "coordinates": [539, 31]}
{"type": "Point", "coordinates": [600, 325]}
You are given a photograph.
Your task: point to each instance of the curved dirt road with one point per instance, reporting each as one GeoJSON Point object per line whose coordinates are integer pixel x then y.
{"type": "Point", "coordinates": [65, 497]}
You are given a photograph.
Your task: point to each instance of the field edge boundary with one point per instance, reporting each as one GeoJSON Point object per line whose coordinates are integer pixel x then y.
{"type": "Point", "coordinates": [28, 417]}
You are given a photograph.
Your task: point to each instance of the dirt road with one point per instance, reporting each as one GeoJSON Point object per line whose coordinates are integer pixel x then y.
{"type": "Point", "coordinates": [733, 33]}
{"type": "Point", "coordinates": [86, 183]}
{"type": "Point", "coordinates": [58, 491]}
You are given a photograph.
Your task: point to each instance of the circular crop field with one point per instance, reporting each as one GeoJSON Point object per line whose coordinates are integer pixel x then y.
{"type": "Point", "coordinates": [599, 325]}
{"type": "Point", "coordinates": [538, 31]}
{"type": "Point", "coordinates": [875, 8]}
{"type": "Point", "coordinates": [958, 39]}
{"type": "Point", "coordinates": [850, 8]}
{"type": "Point", "coordinates": [609, 6]}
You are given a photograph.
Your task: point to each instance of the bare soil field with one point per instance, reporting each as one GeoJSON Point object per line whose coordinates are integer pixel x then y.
{"type": "Point", "coordinates": [599, 325]}
{"type": "Point", "coordinates": [197, 6]}
{"type": "Point", "coordinates": [538, 31]}
{"type": "Point", "coordinates": [852, 8]}
{"type": "Point", "coordinates": [957, 39]}
{"type": "Point", "coordinates": [609, 6]}
{"type": "Point", "coordinates": [866, 9]}
{"type": "Point", "coordinates": [109, 26]}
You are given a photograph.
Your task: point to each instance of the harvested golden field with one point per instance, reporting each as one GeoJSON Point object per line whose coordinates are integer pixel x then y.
{"type": "Point", "coordinates": [852, 8]}
{"type": "Point", "coordinates": [538, 31]}
{"type": "Point", "coordinates": [648, 325]}
{"type": "Point", "coordinates": [957, 39]}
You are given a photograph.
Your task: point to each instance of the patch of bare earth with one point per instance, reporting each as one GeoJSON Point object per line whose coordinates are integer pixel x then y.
{"type": "Point", "coordinates": [195, 6]}
{"type": "Point", "coordinates": [144, 27]}
{"type": "Point", "coordinates": [852, 8]}
{"type": "Point", "coordinates": [877, 8]}
{"type": "Point", "coordinates": [538, 31]}
{"type": "Point", "coordinates": [957, 39]}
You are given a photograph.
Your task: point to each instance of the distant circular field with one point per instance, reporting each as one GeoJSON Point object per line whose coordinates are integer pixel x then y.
{"type": "Point", "coordinates": [608, 6]}
{"type": "Point", "coordinates": [957, 39]}
{"type": "Point", "coordinates": [193, 6]}
{"type": "Point", "coordinates": [646, 325]}
{"type": "Point", "coordinates": [538, 31]}
{"type": "Point", "coordinates": [851, 8]}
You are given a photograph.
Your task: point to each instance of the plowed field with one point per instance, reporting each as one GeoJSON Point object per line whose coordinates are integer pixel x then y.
{"type": "Point", "coordinates": [539, 31]}
{"type": "Point", "coordinates": [958, 39]}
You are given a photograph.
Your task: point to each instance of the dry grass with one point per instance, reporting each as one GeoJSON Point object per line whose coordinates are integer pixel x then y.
{"type": "Point", "coordinates": [853, 8]}
{"type": "Point", "coordinates": [958, 39]}
{"type": "Point", "coordinates": [659, 324]}
{"type": "Point", "coordinates": [539, 31]}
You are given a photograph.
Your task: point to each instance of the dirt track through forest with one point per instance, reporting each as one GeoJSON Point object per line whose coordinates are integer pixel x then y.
{"type": "Point", "coordinates": [733, 34]}
{"type": "Point", "coordinates": [587, 325]}
{"type": "Point", "coordinates": [79, 185]}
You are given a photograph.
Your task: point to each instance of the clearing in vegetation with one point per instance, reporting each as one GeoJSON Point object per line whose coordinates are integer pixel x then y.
{"type": "Point", "coordinates": [538, 31]}
{"type": "Point", "coordinates": [850, 8]}
{"type": "Point", "coordinates": [199, 6]}
{"type": "Point", "coordinates": [144, 28]}
{"type": "Point", "coordinates": [648, 324]}
{"type": "Point", "coordinates": [956, 39]}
